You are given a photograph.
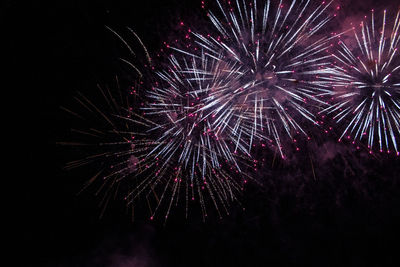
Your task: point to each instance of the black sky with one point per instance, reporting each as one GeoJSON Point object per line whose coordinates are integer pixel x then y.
{"type": "Point", "coordinates": [345, 217]}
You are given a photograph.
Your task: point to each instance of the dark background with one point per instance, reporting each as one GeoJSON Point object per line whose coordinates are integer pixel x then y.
{"type": "Point", "coordinates": [342, 218]}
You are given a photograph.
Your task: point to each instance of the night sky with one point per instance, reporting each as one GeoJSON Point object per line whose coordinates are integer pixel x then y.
{"type": "Point", "coordinates": [346, 213]}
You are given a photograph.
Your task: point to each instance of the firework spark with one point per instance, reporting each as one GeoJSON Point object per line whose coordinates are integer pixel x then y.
{"type": "Point", "coordinates": [161, 146]}
{"type": "Point", "coordinates": [367, 84]}
{"type": "Point", "coordinates": [188, 146]}
{"type": "Point", "coordinates": [278, 54]}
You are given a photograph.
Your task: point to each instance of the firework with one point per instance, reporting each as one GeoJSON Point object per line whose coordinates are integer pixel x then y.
{"type": "Point", "coordinates": [278, 54]}
{"type": "Point", "coordinates": [191, 153]}
{"type": "Point", "coordinates": [367, 84]}
{"type": "Point", "coordinates": [160, 146]}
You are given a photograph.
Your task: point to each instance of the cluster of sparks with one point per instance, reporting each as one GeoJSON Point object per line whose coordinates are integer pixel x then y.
{"type": "Point", "coordinates": [260, 79]}
{"type": "Point", "coordinates": [366, 85]}
{"type": "Point", "coordinates": [190, 148]}
{"type": "Point", "coordinates": [279, 55]}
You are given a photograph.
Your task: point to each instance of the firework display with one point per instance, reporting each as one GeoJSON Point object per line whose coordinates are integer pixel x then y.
{"type": "Point", "coordinates": [366, 82]}
{"type": "Point", "coordinates": [185, 130]}
{"type": "Point", "coordinates": [188, 152]}
{"type": "Point", "coordinates": [166, 150]}
{"type": "Point", "coordinates": [279, 53]}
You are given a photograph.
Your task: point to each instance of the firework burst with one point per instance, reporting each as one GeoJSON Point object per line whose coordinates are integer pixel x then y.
{"type": "Point", "coordinates": [192, 153]}
{"type": "Point", "coordinates": [160, 146]}
{"type": "Point", "coordinates": [367, 84]}
{"type": "Point", "coordinates": [278, 54]}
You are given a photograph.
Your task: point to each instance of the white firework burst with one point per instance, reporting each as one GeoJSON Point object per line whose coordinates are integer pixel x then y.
{"type": "Point", "coordinates": [278, 54]}
{"type": "Point", "coordinates": [366, 78]}
{"type": "Point", "coordinates": [192, 151]}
